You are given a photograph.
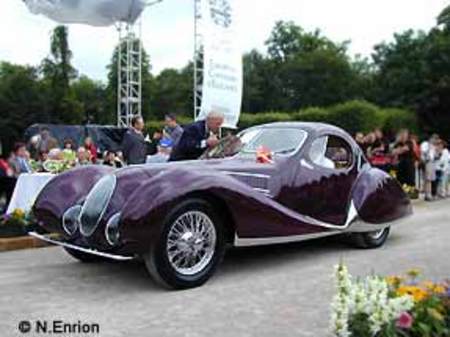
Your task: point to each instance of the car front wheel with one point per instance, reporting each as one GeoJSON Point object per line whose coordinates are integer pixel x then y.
{"type": "Point", "coordinates": [370, 240]}
{"type": "Point", "coordinates": [190, 246]}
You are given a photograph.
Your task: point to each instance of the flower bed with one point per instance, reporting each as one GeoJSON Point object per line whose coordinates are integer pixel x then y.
{"type": "Point", "coordinates": [396, 306]}
{"type": "Point", "coordinates": [18, 223]}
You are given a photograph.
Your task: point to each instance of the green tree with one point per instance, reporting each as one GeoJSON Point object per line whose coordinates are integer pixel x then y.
{"type": "Point", "coordinates": [444, 17]}
{"type": "Point", "coordinates": [58, 72]}
{"type": "Point", "coordinates": [21, 101]}
{"type": "Point", "coordinates": [434, 101]}
{"type": "Point", "coordinates": [254, 98]}
{"type": "Point", "coordinates": [174, 92]}
{"type": "Point", "coordinates": [288, 40]}
{"type": "Point", "coordinates": [307, 69]}
{"type": "Point", "coordinates": [92, 97]}
{"type": "Point", "coordinates": [401, 69]}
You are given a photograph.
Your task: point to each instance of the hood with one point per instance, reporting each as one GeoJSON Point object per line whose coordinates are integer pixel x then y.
{"type": "Point", "coordinates": [74, 187]}
{"type": "Point", "coordinates": [64, 191]}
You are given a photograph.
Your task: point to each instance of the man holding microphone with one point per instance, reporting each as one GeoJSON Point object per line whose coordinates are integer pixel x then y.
{"type": "Point", "coordinates": [198, 137]}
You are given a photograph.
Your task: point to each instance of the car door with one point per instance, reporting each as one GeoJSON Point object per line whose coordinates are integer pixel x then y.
{"type": "Point", "coordinates": [324, 179]}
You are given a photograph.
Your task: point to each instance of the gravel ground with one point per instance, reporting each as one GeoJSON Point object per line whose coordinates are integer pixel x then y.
{"type": "Point", "coordinates": [265, 291]}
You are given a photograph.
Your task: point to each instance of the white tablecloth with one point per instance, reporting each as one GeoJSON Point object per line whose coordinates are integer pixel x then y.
{"type": "Point", "coordinates": [27, 189]}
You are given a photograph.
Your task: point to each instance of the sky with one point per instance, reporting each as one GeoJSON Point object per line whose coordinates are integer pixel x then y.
{"type": "Point", "coordinates": [167, 29]}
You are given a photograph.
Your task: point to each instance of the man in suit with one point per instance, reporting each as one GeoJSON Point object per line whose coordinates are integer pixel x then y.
{"type": "Point", "coordinates": [198, 137]}
{"type": "Point", "coordinates": [135, 146]}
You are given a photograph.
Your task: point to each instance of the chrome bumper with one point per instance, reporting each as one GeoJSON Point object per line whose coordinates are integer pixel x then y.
{"type": "Point", "coordinates": [81, 249]}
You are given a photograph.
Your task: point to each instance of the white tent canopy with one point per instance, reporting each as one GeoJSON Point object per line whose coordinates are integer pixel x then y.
{"type": "Point", "coordinates": [90, 12]}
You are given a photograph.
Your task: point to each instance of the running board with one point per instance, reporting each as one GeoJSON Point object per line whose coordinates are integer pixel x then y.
{"type": "Point", "coordinates": [250, 242]}
{"type": "Point", "coordinates": [81, 249]}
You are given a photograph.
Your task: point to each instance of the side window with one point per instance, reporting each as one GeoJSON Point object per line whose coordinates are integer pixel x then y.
{"type": "Point", "coordinates": [331, 152]}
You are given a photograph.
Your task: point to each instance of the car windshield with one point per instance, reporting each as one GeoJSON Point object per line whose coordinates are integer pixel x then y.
{"type": "Point", "coordinates": [276, 140]}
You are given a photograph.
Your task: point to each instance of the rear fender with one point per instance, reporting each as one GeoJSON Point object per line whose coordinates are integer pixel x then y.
{"type": "Point", "coordinates": [379, 198]}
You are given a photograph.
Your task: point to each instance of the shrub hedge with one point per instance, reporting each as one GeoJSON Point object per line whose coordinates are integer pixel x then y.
{"type": "Point", "coordinates": [353, 116]}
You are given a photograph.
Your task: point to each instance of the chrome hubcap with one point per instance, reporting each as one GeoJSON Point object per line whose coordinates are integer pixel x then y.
{"type": "Point", "coordinates": [191, 242]}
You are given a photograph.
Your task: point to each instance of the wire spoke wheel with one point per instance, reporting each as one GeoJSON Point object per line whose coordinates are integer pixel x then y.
{"type": "Point", "coordinates": [191, 242]}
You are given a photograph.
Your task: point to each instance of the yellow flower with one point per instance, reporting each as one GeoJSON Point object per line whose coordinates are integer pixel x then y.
{"type": "Point", "coordinates": [434, 288]}
{"type": "Point", "coordinates": [413, 273]}
{"type": "Point", "coordinates": [18, 213]}
{"type": "Point", "coordinates": [394, 281]}
{"type": "Point", "coordinates": [438, 289]}
{"type": "Point", "coordinates": [417, 293]}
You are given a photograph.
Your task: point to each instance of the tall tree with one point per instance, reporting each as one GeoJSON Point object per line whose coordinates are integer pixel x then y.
{"type": "Point", "coordinates": [173, 92]}
{"type": "Point", "coordinates": [21, 102]}
{"type": "Point", "coordinates": [401, 69]}
{"type": "Point", "coordinates": [92, 97]}
{"type": "Point", "coordinates": [58, 72]}
{"type": "Point", "coordinates": [307, 69]}
{"type": "Point", "coordinates": [444, 17]}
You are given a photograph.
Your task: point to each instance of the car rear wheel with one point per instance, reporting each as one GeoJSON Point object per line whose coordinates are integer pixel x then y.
{"type": "Point", "coordinates": [190, 247]}
{"type": "Point", "coordinates": [370, 240]}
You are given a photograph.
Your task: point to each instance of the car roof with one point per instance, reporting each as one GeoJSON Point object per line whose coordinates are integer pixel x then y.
{"type": "Point", "coordinates": [307, 126]}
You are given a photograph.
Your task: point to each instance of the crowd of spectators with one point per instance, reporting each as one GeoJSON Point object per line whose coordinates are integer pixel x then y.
{"type": "Point", "coordinates": [423, 166]}
{"type": "Point", "coordinates": [43, 148]}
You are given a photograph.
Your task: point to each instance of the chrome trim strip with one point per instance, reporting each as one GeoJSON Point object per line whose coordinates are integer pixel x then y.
{"type": "Point", "coordinates": [115, 217]}
{"type": "Point", "coordinates": [250, 242]}
{"type": "Point", "coordinates": [81, 249]}
{"type": "Point", "coordinates": [262, 190]}
{"type": "Point", "coordinates": [352, 215]}
{"type": "Point", "coordinates": [247, 174]}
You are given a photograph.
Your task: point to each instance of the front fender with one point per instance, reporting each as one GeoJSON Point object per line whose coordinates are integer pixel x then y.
{"type": "Point", "coordinates": [63, 191]}
{"type": "Point", "coordinates": [379, 198]}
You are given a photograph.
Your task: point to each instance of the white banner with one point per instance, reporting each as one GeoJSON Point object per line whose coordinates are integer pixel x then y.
{"type": "Point", "coordinates": [222, 72]}
{"type": "Point", "coordinates": [90, 12]}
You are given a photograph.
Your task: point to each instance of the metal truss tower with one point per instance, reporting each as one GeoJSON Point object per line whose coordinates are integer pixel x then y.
{"type": "Point", "coordinates": [198, 57]}
{"type": "Point", "coordinates": [129, 70]}
{"type": "Point", "coordinates": [129, 73]}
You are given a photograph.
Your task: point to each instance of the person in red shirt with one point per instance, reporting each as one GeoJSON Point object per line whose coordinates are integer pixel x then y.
{"type": "Point", "coordinates": [89, 145]}
{"type": "Point", "coordinates": [7, 180]}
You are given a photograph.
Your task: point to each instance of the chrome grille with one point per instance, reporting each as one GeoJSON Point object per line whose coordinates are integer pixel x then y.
{"type": "Point", "coordinates": [259, 182]}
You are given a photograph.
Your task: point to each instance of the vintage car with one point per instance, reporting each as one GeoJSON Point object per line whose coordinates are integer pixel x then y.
{"type": "Point", "coordinates": [180, 217]}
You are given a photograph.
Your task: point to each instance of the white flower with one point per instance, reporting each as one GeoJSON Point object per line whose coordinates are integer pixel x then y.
{"type": "Point", "coordinates": [369, 296]}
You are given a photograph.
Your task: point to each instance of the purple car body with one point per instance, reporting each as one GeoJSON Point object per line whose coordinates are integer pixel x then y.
{"type": "Point", "coordinates": [293, 198]}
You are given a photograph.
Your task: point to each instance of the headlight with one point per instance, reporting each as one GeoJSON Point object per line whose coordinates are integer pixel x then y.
{"type": "Point", "coordinates": [71, 220]}
{"type": "Point", "coordinates": [95, 204]}
{"type": "Point", "coordinates": [112, 230]}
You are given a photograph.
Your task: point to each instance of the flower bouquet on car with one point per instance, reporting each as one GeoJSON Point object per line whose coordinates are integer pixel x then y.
{"type": "Point", "coordinates": [402, 306]}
